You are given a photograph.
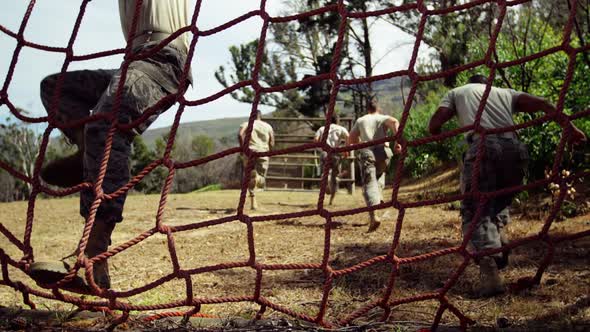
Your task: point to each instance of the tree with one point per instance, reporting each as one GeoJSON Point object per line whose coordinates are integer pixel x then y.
{"type": "Point", "coordinates": [274, 71]}
{"type": "Point", "coordinates": [359, 54]}
{"type": "Point", "coordinates": [448, 35]}
{"type": "Point", "coordinates": [202, 145]}
{"type": "Point", "coordinates": [529, 30]}
{"type": "Point", "coordinates": [19, 147]}
{"type": "Point", "coordinates": [141, 157]}
{"type": "Point", "coordinates": [313, 41]}
{"type": "Point", "coordinates": [298, 50]}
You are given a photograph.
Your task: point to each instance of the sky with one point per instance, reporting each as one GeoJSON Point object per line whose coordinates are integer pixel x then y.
{"type": "Point", "coordinates": [52, 21]}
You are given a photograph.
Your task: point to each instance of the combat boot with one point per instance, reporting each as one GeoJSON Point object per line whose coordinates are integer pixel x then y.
{"type": "Point", "coordinates": [98, 242]}
{"type": "Point", "coordinates": [68, 171]}
{"type": "Point", "coordinates": [490, 282]}
{"type": "Point", "coordinates": [65, 172]}
{"type": "Point", "coordinates": [260, 181]}
{"type": "Point", "coordinates": [253, 203]}
{"type": "Point", "coordinates": [503, 260]}
{"type": "Point", "coordinates": [45, 273]}
{"type": "Point", "coordinates": [374, 222]}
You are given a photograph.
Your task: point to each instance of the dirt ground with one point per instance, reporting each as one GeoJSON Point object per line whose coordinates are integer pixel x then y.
{"type": "Point", "coordinates": [562, 299]}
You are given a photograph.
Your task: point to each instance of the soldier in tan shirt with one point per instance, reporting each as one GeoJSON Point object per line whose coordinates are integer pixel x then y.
{"type": "Point", "coordinates": [373, 160]}
{"type": "Point", "coordinates": [503, 165]}
{"type": "Point", "coordinates": [261, 140]}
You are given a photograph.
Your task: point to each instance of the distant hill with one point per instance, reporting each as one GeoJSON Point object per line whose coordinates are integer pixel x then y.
{"type": "Point", "coordinates": [216, 129]}
{"type": "Point", "coordinates": [389, 93]}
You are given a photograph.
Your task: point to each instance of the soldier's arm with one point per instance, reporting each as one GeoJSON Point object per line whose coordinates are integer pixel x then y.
{"type": "Point", "coordinates": [354, 137]}
{"type": "Point", "coordinates": [241, 133]}
{"type": "Point", "coordinates": [392, 124]}
{"type": "Point", "coordinates": [271, 140]}
{"type": "Point", "coordinates": [344, 135]}
{"type": "Point", "coordinates": [527, 103]}
{"type": "Point", "coordinates": [439, 118]}
{"type": "Point", "coordinates": [317, 136]}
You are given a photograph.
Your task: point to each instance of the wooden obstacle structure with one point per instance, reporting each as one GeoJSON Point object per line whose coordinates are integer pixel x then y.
{"type": "Point", "coordinates": [301, 171]}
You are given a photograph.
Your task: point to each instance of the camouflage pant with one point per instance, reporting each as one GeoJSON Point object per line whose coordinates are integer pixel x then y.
{"type": "Point", "coordinates": [503, 165]}
{"type": "Point", "coordinates": [334, 168]}
{"type": "Point", "coordinates": [257, 176]}
{"type": "Point", "coordinates": [89, 92]}
{"type": "Point", "coordinates": [373, 162]}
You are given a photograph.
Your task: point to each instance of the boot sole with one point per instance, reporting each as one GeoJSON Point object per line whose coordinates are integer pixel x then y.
{"type": "Point", "coordinates": [491, 293]}
{"type": "Point", "coordinates": [66, 172]}
{"type": "Point", "coordinates": [45, 273]}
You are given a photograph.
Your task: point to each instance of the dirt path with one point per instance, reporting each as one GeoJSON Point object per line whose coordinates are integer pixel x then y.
{"type": "Point", "coordinates": [301, 240]}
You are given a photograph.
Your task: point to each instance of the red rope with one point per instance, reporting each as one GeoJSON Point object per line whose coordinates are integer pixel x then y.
{"type": "Point", "coordinates": [112, 300]}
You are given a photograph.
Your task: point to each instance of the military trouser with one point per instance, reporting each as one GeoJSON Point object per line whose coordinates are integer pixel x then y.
{"type": "Point", "coordinates": [503, 165]}
{"type": "Point", "coordinates": [88, 92]}
{"type": "Point", "coordinates": [257, 176]}
{"type": "Point", "coordinates": [373, 162]}
{"type": "Point", "coordinates": [334, 169]}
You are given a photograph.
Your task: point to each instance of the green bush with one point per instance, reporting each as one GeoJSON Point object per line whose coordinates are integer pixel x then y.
{"type": "Point", "coordinates": [211, 187]}
{"type": "Point", "coordinates": [423, 158]}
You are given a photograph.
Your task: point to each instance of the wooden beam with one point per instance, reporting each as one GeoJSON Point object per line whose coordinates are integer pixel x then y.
{"type": "Point", "coordinates": [303, 119]}
{"type": "Point", "coordinates": [286, 178]}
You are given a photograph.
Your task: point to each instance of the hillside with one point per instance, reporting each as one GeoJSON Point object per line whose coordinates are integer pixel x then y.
{"type": "Point", "coordinates": [216, 129]}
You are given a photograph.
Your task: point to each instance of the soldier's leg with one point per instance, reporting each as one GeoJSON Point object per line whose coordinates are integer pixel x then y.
{"type": "Point", "coordinates": [259, 179]}
{"type": "Point", "coordinates": [383, 158]}
{"type": "Point", "coordinates": [323, 161]}
{"type": "Point", "coordinates": [335, 170]}
{"type": "Point", "coordinates": [511, 172]}
{"type": "Point", "coordinates": [79, 93]}
{"type": "Point", "coordinates": [371, 192]}
{"type": "Point", "coordinates": [485, 234]}
{"type": "Point", "coordinates": [369, 177]}
{"type": "Point", "coordinates": [139, 93]}
{"type": "Point", "coordinates": [262, 169]}
{"type": "Point", "coordinates": [252, 180]}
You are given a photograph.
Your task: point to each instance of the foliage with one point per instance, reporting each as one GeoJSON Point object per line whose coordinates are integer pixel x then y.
{"type": "Point", "coordinates": [423, 158]}
{"type": "Point", "coordinates": [525, 34]}
{"type": "Point", "coordinates": [211, 187]}
{"type": "Point", "coordinates": [202, 146]}
{"type": "Point", "coordinates": [448, 35]}
{"type": "Point", "coordinates": [274, 70]}
{"type": "Point", "coordinates": [19, 147]}
{"type": "Point", "coordinates": [141, 157]}
{"type": "Point", "coordinates": [298, 50]}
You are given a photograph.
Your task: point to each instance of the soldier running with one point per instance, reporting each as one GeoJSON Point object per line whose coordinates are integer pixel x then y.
{"type": "Point", "coordinates": [503, 165]}
{"type": "Point", "coordinates": [261, 140]}
{"type": "Point", "coordinates": [92, 92]}
{"type": "Point", "coordinates": [374, 160]}
{"type": "Point", "coordinates": [337, 136]}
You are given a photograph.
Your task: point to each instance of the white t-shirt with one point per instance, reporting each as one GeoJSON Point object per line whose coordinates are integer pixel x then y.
{"type": "Point", "coordinates": [336, 135]}
{"type": "Point", "coordinates": [165, 16]}
{"type": "Point", "coordinates": [260, 138]}
{"type": "Point", "coordinates": [371, 127]}
{"type": "Point", "coordinates": [497, 112]}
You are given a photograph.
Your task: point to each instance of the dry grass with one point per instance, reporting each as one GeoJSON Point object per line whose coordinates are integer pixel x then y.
{"type": "Point", "coordinates": [561, 299]}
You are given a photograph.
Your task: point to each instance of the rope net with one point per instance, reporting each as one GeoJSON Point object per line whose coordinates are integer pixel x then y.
{"type": "Point", "coordinates": [115, 300]}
